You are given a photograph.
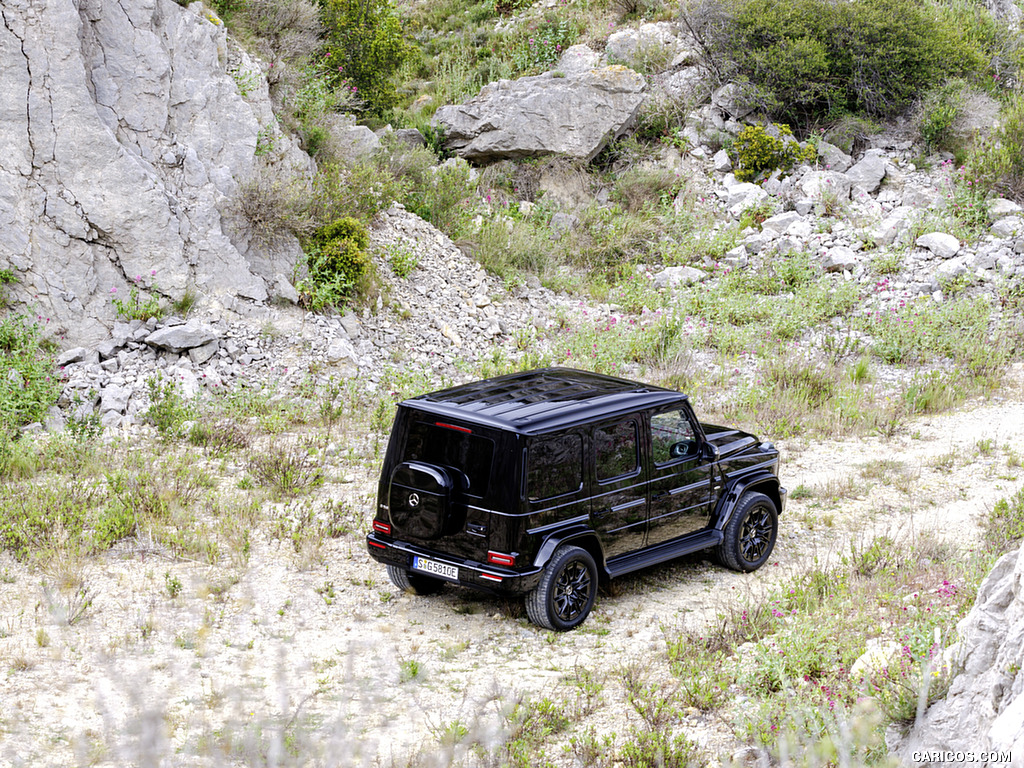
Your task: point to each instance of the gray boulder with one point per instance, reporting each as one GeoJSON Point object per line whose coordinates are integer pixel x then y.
{"type": "Point", "coordinates": [649, 43]}
{"type": "Point", "coordinates": [357, 141]}
{"type": "Point", "coordinates": [577, 59]}
{"type": "Point", "coordinates": [670, 277]}
{"type": "Point", "coordinates": [1002, 207]}
{"type": "Point", "coordinates": [114, 398]}
{"type": "Point", "coordinates": [818, 184]}
{"type": "Point", "coordinates": [984, 708]}
{"type": "Point", "coordinates": [178, 338]}
{"type": "Point", "coordinates": [869, 171]}
{"type": "Point", "coordinates": [734, 100]}
{"type": "Point", "coordinates": [941, 244]}
{"type": "Point", "coordinates": [574, 115]}
{"type": "Point", "coordinates": [742, 196]}
{"type": "Point", "coordinates": [124, 158]}
{"type": "Point", "coordinates": [833, 158]}
{"type": "Point", "coordinates": [891, 227]}
{"type": "Point", "coordinates": [780, 222]}
{"type": "Point", "coordinates": [1008, 226]}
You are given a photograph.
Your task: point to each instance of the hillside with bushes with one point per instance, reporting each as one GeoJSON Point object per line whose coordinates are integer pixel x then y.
{"type": "Point", "coordinates": [234, 235]}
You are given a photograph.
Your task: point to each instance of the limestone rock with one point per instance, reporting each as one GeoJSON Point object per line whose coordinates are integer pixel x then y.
{"type": "Point", "coordinates": [1002, 207]}
{"type": "Point", "coordinates": [670, 277]}
{"type": "Point", "coordinates": [1008, 226]}
{"type": "Point", "coordinates": [722, 162]}
{"type": "Point", "coordinates": [984, 708]}
{"type": "Point", "coordinates": [124, 138]}
{"type": "Point", "coordinates": [358, 141]}
{"type": "Point", "coordinates": [869, 171]}
{"type": "Point", "coordinates": [941, 244]}
{"type": "Point", "coordinates": [635, 47]}
{"type": "Point", "coordinates": [733, 100]}
{"type": "Point", "coordinates": [833, 158]}
{"type": "Point", "coordinates": [817, 184]}
{"type": "Point", "coordinates": [178, 338]}
{"type": "Point", "coordinates": [577, 59]}
{"type": "Point", "coordinates": [780, 222]}
{"type": "Point", "coordinates": [574, 115]}
{"type": "Point", "coordinates": [742, 196]}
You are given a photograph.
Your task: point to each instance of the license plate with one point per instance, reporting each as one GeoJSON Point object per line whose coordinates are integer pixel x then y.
{"type": "Point", "coordinates": [443, 570]}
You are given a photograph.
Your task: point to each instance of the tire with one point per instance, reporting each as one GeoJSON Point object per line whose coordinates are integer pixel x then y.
{"type": "Point", "coordinates": [567, 590]}
{"type": "Point", "coordinates": [415, 583]}
{"type": "Point", "coordinates": [750, 534]}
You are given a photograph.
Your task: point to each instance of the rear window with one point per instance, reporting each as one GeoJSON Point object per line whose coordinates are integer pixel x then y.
{"type": "Point", "coordinates": [468, 454]}
{"type": "Point", "coordinates": [554, 466]}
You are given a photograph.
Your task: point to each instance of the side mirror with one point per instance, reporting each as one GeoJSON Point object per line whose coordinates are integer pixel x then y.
{"type": "Point", "coordinates": [709, 452]}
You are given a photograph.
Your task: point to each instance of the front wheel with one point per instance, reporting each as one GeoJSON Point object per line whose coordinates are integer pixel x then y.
{"type": "Point", "coordinates": [567, 590]}
{"type": "Point", "coordinates": [750, 534]}
{"type": "Point", "coordinates": [416, 583]}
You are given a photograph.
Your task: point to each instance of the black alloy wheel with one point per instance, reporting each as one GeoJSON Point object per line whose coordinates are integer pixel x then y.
{"type": "Point", "coordinates": [750, 534]}
{"type": "Point", "coordinates": [757, 534]}
{"type": "Point", "coordinates": [566, 592]}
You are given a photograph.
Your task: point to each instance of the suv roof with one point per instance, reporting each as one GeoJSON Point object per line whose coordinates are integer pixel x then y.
{"type": "Point", "coordinates": [543, 400]}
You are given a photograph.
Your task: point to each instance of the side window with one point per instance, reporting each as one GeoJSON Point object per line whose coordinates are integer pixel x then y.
{"type": "Point", "coordinates": [616, 450]}
{"type": "Point", "coordinates": [672, 436]}
{"type": "Point", "coordinates": [554, 466]}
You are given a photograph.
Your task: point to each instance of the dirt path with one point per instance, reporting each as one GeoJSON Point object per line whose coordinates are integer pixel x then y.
{"type": "Point", "coordinates": [332, 657]}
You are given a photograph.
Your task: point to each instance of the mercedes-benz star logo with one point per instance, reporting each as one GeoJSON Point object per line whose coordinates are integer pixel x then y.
{"type": "Point", "coordinates": [414, 500]}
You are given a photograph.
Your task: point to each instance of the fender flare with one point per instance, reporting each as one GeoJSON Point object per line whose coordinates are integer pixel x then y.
{"type": "Point", "coordinates": [580, 536]}
{"type": "Point", "coordinates": [765, 483]}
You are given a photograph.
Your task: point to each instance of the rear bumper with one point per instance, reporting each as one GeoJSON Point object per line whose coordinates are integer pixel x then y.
{"type": "Point", "coordinates": [483, 576]}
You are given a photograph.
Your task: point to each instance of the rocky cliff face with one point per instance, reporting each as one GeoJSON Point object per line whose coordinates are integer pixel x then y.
{"type": "Point", "coordinates": [123, 139]}
{"type": "Point", "coordinates": [984, 710]}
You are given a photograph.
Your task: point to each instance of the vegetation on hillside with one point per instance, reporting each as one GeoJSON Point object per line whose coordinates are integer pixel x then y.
{"type": "Point", "coordinates": [822, 69]}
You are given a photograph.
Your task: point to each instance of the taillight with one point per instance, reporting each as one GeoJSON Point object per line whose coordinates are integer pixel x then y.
{"type": "Point", "coordinates": [490, 577]}
{"type": "Point", "coordinates": [381, 527]}
{"type": "Point", "coordinates": [500, 558]}
{"type": "Point", "coordinates": [377, 545]}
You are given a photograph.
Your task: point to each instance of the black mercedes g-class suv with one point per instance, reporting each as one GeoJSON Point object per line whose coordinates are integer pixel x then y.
{"type": "Point", "coordinates": [542, 483]}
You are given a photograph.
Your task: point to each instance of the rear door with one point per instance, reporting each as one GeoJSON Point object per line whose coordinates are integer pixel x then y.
{"type": "Point", "coordinates": [619, 486]}
{"type": "Point", "coordinates": [681, 477]}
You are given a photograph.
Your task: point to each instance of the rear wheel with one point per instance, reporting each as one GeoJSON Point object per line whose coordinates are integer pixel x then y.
{"type": "Point", "coordinates": [416, 583]}
{"type": "Point", "coordinates": [750, 534]}
{"type": "Point", "coordinates": [567, 590]}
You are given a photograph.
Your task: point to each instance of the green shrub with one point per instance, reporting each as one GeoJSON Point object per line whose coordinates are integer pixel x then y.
{"type": "Point", "coordinates": [759, 151]}
{"type": "Point", "coordinates": [27, 385]}
{"type": "Point", "coordinates": [441, 196]}
{"type": "Point", "coordinates": [168, 408]}
{"type": "Point", "coordinates": [813, 59]}
{"type": "Point", "coordinates": [941, 107]}
{"type": "Point", "coordinates": [401, 258]}
{"type": "Point", "coordinates": [1003, 528]}
{"type": "Point", "coordinates": [336, 258]}
{"type": "Point", "coordinates": [47, 516]}
{"type": "Point", "coordinates": [997, 163]}
{"type": "Point", "coordinates": [535, 46]}
{"type": "Point", "coordinates": [365, 49]}
{"type": "Point", "coordinates": [360, 190]}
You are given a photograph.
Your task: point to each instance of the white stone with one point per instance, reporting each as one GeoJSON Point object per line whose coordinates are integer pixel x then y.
{"type": "Point", "coordinates": [780, 222]}
{"type": "Point", "coordinates": [1008, 226]}
{"type": "Point", "coordinates": [721, 161]}
{"type": "Point", "coordinates": [670, 277]}
{"type": "Point", "coordinates": [817, 184]}
{"type": "Point", "coordinates": [943, 245]}
{"type": "Point", "coordinates": [1002, 207]}
{"type": "Point", "coordinates": [869, 171]}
